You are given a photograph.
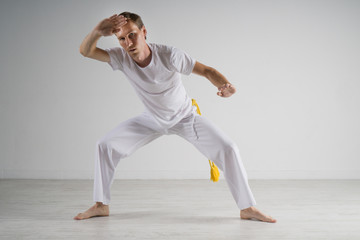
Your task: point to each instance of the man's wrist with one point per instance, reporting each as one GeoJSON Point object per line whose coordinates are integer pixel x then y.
{"type": "Point", "coordinates": [96, 33]}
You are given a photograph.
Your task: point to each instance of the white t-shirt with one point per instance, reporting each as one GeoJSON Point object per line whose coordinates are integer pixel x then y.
{"type": "Point", "coordinates": [159, 84]}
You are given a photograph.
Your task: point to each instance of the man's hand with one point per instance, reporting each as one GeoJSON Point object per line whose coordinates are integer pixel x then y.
{"type": "Point", "coordinates": [111, 25]}
{"type": "Point", "coordinates": [226, 90]}
{"type": "Point", "coordinates": [106, 27]}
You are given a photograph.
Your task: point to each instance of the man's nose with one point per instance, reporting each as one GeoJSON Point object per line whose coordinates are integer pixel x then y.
{"type": "Point", "coordinates": [128, 42]}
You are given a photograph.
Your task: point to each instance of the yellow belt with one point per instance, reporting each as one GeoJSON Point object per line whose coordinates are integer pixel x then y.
{"type": "Point", "coordinates": [214, 171]}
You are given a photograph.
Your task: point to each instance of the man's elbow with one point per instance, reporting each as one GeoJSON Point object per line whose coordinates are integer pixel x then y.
{"type": "Point", "coordinates": [83, 52]}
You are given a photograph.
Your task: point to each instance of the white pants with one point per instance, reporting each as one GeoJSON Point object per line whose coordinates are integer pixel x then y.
{"type": "Point", "coordinates": [204, 135]}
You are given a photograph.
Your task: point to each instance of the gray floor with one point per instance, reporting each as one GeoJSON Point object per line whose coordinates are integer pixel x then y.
{"type": "Point", "coordinates": [180, 209]}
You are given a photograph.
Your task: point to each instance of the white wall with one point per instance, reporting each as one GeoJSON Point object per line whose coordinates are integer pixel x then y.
{"type": "Point", "coordinates": [296, 65]}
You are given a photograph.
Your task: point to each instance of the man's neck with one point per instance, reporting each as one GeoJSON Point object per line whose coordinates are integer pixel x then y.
{"type": "Point", "coordinates": [144, 59]}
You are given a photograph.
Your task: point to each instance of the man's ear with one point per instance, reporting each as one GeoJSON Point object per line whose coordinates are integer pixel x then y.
{"type": "Point", "coordinates": [143, 29]}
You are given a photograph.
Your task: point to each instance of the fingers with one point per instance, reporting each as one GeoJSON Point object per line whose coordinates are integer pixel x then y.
{"type": "Point", "coordinates": [223, 87]}
{"type": "Point", "coordinates": [120, 21]}
{"type": "Point", "coordinates": [221, 90]}
{"type": "Point", "coordinates": [117, 19]}
{"type": "Point", "coordinates": [117, 22]}
{"type": "Point", "coordinates": [226, 90]}
{"type": "Point", "coordinates": [116, 16]}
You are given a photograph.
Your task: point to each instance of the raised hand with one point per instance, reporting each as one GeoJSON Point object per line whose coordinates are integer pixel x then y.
{"type": "Point", "coordinates": [226, 90]}
{"type": "Point", "coordinates": [111, 25]}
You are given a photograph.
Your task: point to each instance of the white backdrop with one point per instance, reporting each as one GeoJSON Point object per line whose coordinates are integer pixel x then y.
{"type": "Point", "coordinates": [296, 65]}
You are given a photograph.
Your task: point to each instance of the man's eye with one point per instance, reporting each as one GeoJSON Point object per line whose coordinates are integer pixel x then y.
{"type": "Point", "coordinates": [121, 39]}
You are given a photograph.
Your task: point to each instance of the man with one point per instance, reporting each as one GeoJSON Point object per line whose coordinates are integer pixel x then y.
{"type": "Point", "coordinates": [155, 73]}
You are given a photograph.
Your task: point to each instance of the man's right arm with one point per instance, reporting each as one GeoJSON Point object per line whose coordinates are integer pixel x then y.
{"type": "Point", "coordinates": [106, 27]}
{"type": "Point", "coordinates": [88, 48]}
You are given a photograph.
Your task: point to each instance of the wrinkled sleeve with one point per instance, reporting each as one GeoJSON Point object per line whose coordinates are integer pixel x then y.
{"type": "Point", "coordinates": [181, 61]}
{"type": "Point", "coordinates": [116, 58]}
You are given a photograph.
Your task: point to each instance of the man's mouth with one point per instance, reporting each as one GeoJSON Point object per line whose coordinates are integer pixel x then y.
{"type": "Point", "coordinates": [132, 50]}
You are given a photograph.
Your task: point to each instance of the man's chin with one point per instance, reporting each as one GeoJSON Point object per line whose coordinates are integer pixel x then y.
{"type": "Point", "coordinates": [133, 53]}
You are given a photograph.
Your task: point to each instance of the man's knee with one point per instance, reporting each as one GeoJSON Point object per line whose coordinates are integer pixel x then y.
{"type": "Point", "coordinates": [227, 145]}
{"type": "Point", "coordinates": [232, 146]}
{"type": "Point", "coordinates": [111, 146]}
{"type": "Point", "coordinates": [102, 144]}
{"type": "Point", "coordinates": [230, 150]}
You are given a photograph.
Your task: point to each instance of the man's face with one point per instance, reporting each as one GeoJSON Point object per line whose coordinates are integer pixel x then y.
{"type": "Point", "coordinates": [132, 39]}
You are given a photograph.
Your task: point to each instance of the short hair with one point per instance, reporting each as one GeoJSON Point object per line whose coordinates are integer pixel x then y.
{"type": "Point", "coordinates": [133, 17]}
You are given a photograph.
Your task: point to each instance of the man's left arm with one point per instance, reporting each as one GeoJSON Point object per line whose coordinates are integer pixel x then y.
{"type": "Point", "coordinates": [225, 88]}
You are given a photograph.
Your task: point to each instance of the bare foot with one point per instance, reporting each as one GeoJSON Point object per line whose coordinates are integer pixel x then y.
{"type": "Point", "coordinates": [253, 213]}
{"type": "Point", "coordinates": [97, 210]}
